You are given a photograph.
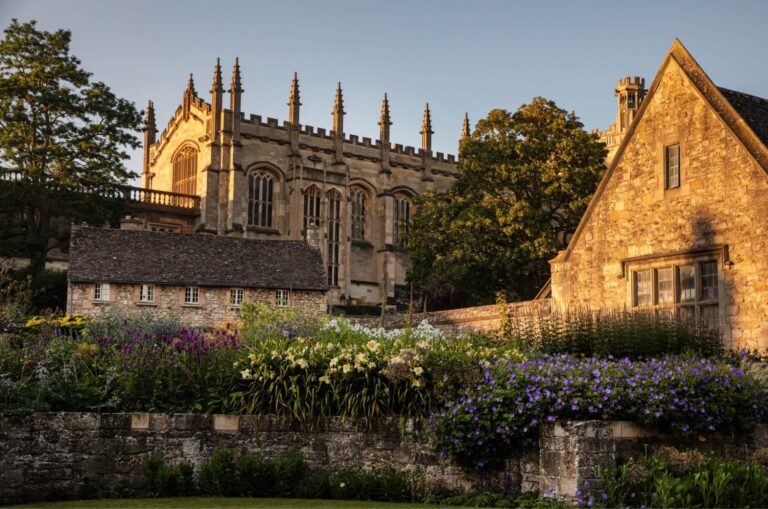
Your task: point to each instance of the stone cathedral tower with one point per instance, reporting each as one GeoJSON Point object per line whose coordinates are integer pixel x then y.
{"type": "Point", "coordinates": [630, 92]}
{"type": "Point", "coordinates": [262, 178]}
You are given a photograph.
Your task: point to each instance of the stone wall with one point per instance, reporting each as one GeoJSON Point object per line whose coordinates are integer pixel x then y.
{"type": "Point", "coordinates": [484, 319]}
{"type": "Point", "coordinates": [214, 307]}
{"type": "Point", "coordinates": [63, 455]}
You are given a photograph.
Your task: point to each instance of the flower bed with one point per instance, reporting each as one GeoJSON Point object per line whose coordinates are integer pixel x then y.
{"type": "Point", "coordinates": [687, 395]}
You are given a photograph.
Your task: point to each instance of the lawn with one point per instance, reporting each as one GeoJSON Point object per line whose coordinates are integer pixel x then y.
{"type": "Point", "coordinates": [215, 503]}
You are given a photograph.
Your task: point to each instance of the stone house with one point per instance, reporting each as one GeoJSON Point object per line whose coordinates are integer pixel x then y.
{"type": "Point", "coordinates": [678, 222]}
{"type": "Point", "coordinates": [201, 279]}
{"type": "Point", "coordinates": [263, 179]}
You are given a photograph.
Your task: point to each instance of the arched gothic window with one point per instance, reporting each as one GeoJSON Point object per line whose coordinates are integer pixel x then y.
{"type": "Point", "coordinates": [185, 171]}
{"type": "Point", "coordinates": [260, 204]}
{"type": "Point", "coordinates": [358, 214]}
{"type": "Point", "coordinates": [311, 206]}
{"type": "Point", "coordinates": [334, 236]}
{"type": "Point", "coordinates": [402, 218]}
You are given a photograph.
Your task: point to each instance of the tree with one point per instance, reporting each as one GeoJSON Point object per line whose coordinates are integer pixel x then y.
{"type": "Point", "coordinates": [62, 138]}
{"type": "Point", "coordinates": [526, 180]}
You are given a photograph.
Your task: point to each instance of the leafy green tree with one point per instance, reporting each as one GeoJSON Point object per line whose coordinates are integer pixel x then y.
{"type": "Point", "coordinates": [526, 180]}
{"type": "Point", "coordinates": [63, 140]}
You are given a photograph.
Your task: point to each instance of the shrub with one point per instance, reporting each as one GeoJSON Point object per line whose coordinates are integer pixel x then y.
{"type": "Point", "coordinates": [290, 471]}
{"type": "Point", "coordinates": [217, 475]}
{"type": "Point", "coordinates": [166, 481]}
{"type": "Point", "coordinates": [256, 476]}
{"type": "Point", "coordinates": [385, 485]}
{"type": "Point", "coordinates": [316, 485]}
{"type": "Point", "coordinates": [671, 478]}
{"type": "Point", "coordinates": [685, 395]}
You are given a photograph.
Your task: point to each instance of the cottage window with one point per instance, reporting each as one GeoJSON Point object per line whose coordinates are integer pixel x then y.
{"type": "Point", "coordinates": [643, 288]}
{"type": "Point", "coordinates": [185, 171]}
{"type": "Point", "coordinates": [689, 289]}
{"type": "Point", "coordinates": [311, 207]}
{"type": "Point", "coordinates": [672, 166]}
{"type": "Point", "coordinates": [147, 293]}
{"type": "Point", "coordinates": [334, 236]}
{"type": "Point", "coordinates": [402, 218]}
{"type": "Point", "coordinates": [260, 194]}
{"type": "Point", "coordinates": [358, 214]}
{"type": "Point", "coordinates": [192, 295]}
{"type": "Point", "coordinates": [101, 292]}
{"type": "Point", "coordinates": [236, 297]}
{"type": "Point", "coordinates": [282, 298]}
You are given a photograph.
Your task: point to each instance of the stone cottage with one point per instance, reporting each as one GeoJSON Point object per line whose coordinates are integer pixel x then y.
{"type": "Point", "coordinates": [201, 279]}
{"type": "Point", "coordinates": [678, 222]}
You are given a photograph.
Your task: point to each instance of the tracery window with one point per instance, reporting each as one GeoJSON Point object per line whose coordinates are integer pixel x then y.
{"type": "Point", "coordinates": [334, 236]}
{"type": "Point", "coordinates": [672, 166]}
{"type": "Point", "coordinates": [402, 218]}
{"type": "Point", "coordinates": [358, 214]}
{"type": "Point", "coordinates": [311, 207]}
{"type": "Point", "coordinates": [185, 171]}
{"type": "Point", "coordinates": [260, 202]}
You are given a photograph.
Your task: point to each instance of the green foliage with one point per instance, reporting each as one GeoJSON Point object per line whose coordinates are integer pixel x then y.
{"type": "Point", "coordinates": [670, 478]}
{"type": "Point", "coordinates": [494, 499]}
{"type": "Point", "coordinates": [217, 475]}
{"type": "Point", "coordinates": [526, 179]}
{"type": "Point", "coordinates": [62, 134]}
{"type": "Point", "coordinates": [15, 296]}
{"type": "Point", "coordinates": [163, 480]}
{"type": "Point", "coordinates": [619, 333]}
{"type": "Point", "coordinates": [386, 484]}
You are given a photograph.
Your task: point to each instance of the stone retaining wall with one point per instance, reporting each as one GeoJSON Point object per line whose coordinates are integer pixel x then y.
{"type": "Point", "coordinates": [485, 319]}
{"type": "Point", "coordinates": [65, 455]}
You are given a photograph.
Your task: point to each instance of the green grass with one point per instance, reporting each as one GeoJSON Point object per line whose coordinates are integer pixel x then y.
{"type": "Point", "coordinates": [215, 503]}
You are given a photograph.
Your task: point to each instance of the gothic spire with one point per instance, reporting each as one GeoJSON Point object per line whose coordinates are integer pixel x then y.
{"type": "Point", "coordinates": [294, 102]}
{"type": "Point", "coordinates": [191, 86]}
{"type": "Point", "coordinates": [384, 120]}
{"type": "Point", "coordinates": [149, 121]}
{"type": "Point", "coordinates": [338, 112]}
{"type": "Point", "coordinates": [465, 131]}
{"type": "Point", "coordinates": [235, 84]}
{"type": "Point", "coordinates": [217, 86]}
{"type": "Point", "coordinates": [426, 130]}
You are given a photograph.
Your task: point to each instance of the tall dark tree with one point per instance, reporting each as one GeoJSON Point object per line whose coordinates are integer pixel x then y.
{"type": "Point", "coordinates": [60, 134]}
{"type": "Point", "coordinates": [526, 179]}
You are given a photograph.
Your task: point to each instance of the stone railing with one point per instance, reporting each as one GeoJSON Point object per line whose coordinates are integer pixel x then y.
{"type": "Point", "coordinates": [130, 194]}
{"type": "Point", "coordinates": [58, 455]}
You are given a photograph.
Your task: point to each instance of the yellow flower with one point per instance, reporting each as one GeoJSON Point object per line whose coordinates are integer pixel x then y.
{"type": "Point", "coordinates": [416, 383]}
{"type": "Point", "coordinates": [418, 370]}
{"type": "Point", "coordinates": [302, 363]}
{"type": "Point", "coordinates": [246, 374]}
{"type": "Point", "coordinates": [346, 368]}
{"type": "Point", "coordinates": [373, 346]}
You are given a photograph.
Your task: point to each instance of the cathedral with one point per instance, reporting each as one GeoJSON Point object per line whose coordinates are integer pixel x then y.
{"type": "Point", "coordinates": [262, 179]}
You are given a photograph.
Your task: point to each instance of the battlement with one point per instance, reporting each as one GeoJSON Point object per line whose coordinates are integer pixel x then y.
{"type": "Point", "coordinates": [351, 139]}
{"type": "Point", "coordinates": [630, 82]}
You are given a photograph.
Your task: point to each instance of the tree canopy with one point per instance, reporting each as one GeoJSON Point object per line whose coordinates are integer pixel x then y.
{"type": "Point", "coordinates": [60, 134]}
{"type": "Point", "coordinates": [526, 179]}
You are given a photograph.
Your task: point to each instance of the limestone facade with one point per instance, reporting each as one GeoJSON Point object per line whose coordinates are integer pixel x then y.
{"type": "Point", "coordinates": [260, 178]}
{"type": "Point", "coordinates": [697, 248]}
{"type": "Point", "coordinates": [214, 306]}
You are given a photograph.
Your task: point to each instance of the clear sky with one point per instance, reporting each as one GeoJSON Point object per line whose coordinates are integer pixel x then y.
{"type": "Point", "coordinates": [458, 55]}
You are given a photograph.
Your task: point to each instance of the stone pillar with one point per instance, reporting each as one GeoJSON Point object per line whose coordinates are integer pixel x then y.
{"type": "Point", "coordinates": [570, 454]}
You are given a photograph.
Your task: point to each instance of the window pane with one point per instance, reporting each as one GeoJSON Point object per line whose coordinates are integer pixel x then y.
{"type": "Point", "coordinates": [687, 313]}
{"type": "Point", "coordinates": [710, 317]}
{"type": "Point", "coordinates": [686, 283]}
{"type": "Point", "coordinates": [672, 165]}
{"type": "Point", "coordinates": [664, 285]}
{"type": "Point", "coordinates": [708, 272]}
{"type": "Point", "coordinates": [643, 295]}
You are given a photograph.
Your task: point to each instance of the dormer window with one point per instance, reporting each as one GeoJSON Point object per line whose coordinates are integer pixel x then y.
{"type": "Point", "coordinates": [671, 166]}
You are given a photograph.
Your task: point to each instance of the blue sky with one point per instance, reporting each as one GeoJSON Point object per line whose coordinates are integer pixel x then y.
{"type": "Point", "coordinates": [458, 55]}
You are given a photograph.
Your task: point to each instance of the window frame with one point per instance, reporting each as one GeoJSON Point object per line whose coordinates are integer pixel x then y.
{"type": "Point", "coordinates": [184, 171]}
{"type": "Point", "coordinates": [148, 296]}
{"type": "Point", "coordinates": [233, 300]}
{"type": "Point", "coordinates": [333, 236]}
{"type": "Point", "coordinates": [401, 220]}
{"type": "Point", "coordinates": [101, 292]}
{"type": "Point", "coordinates": [358, 198]}
{"type": "Point", "coordinates": [668, 184]}
{"type": "Point", "coordinates": [261, 199]}
{"type": "Point", "coordinates": [678, 305]}
{"type": "Point", "coordinates": [313, 206]}
{"type": "Point", "coordinates": [191, 295]}
{"type": "Point", "coordinates": [282, 298]}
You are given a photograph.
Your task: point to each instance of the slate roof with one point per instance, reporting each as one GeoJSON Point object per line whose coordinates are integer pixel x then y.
{"type": "Point", "coordinates": [753, 109]}
{"type": "Point", "coordinates": [143, 256]}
